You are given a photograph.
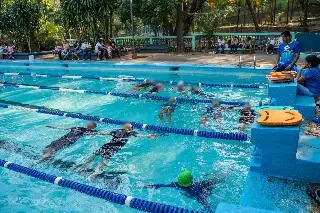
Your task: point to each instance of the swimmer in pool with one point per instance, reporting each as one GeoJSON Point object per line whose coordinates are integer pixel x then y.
{"type": "Point", "coordinates": [200, 93]}
{"type": "Point", "coordinates": [215, 111]}
{"type": "Point", "coordinates": [144, 85]}
{"type": "Point", "coordinates": [198, 191]}
{"type": "Point", "coordinates": [119, 139]}
{"type": "Point", "coordinates": [168, 109]}
{"type": "Point", "coordinates": [156, 88]}
{"type": "Point", "coordinates": [247, 116]}
{"type": "Point", "coordinates": [70, 138]}
{"type": "Point", "coordinates": [180, 87]}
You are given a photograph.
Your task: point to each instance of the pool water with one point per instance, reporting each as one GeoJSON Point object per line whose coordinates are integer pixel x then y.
{"type": "Point", "coordinates": [141, 161]}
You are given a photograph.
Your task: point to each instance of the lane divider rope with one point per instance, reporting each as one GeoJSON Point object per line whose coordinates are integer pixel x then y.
{"type": "Point", "coordinates": [181, 131]}
{"type": "Point", "coordinates": [118, 94]}
{"type": "Point", "coordinates": [244, 86]}
{"type": "Point", "coordinates": [117, 198]}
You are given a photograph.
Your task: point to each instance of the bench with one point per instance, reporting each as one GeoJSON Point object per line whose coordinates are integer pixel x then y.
{"type": "Point", "coordinates": [239, 50]}
{"type": "Point", "coordinates": [162, 48]}
{"type": "Point", "coordinates": [37, 55]}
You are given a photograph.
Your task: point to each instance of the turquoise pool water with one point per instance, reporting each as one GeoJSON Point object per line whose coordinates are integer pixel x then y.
{"type": "Point", "coordinates": [141, 161]}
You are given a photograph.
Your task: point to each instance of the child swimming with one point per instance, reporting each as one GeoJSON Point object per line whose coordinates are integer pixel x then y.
{"type": "Point", "coordinates": [215, 111]}
{"type": "Point", "coordinates": [156, 88]}
{"type": "Point", "coordinates": [168, 109]}
{"type": "Point", "coordinates": [144, 85]}
{"type": "Point", "coordinates": [247, 116]}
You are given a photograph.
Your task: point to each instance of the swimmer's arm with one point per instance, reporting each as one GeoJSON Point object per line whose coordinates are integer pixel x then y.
{"type": "Point", "coordinates": [101, 133]}
{"type": "Point", "coordinates": [158, 186]}
{"type": "Point", "coordinates": [151, 136]}
{"type": "Point", "coordinates": [232, 107]}
{"type": "Point", "coordinates": [57, 127]}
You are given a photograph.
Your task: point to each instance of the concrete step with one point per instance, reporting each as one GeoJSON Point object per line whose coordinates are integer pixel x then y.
{"type": "Point", "coordinates": [306, 106]}
{"type": "Point", "coordinates": [231, 208]}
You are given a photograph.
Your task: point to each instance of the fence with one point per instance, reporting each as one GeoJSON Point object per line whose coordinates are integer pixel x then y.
{"type": "Point", "coordinates": [195, 42]}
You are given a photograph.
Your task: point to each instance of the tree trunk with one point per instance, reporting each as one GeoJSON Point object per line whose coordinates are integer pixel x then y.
{"type": "Point", "coordinates": [238, 17]}
{"type": "Point", "coordinates": [271, 11]}
{"type": "Point", "coordinates": [106, 27]}
{"type": "Point", "coordinates": [179, 27]}
{"type": "Point", "coordinates": [274, 12]}
{"type": "Point", "coordinates": [194, 7]}
{"type": "Point", "coordinates": [253, 15]}
{"type": "Point", "coordinates": [288, 10]}
{"type": "Point", "coordinates": [305, 17]}
{"type": "Point", "coordinates": [33, 42]}
{"type": "Point", "coordinates": [292, 8]}
{"type": "Point", "coordinates": [111, 23]}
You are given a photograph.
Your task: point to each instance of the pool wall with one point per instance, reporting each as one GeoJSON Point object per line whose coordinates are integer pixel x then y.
{"type": "Point", "coordinates": [98, 66]}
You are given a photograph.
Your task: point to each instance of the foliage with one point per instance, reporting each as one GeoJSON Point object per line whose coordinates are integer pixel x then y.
{"type": "Point", "coordinates": [20, 19]}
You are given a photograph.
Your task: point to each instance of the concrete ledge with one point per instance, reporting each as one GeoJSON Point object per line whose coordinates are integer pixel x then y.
{"type": "Point", "coordinates": [231, 208]}
{"type": "Point", "coordinates": [306, 106]}
{"type": "Point", "coordinates": [284, 94]}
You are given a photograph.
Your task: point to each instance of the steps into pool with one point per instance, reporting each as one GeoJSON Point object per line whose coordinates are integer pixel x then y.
{"type": "Point", "coordinates": [231, 208]}
{"type": "Point", "coordinates": [284, 94]}
{"type": "Point", "coordinates": [309, 149]}
{"type": "Point", "coordinates": [306, 106]}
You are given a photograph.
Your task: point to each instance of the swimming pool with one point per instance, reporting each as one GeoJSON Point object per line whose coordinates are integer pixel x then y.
{"type": "Point", "coordinates": [141, 161]}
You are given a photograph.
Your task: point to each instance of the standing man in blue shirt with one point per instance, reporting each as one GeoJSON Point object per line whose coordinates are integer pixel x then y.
{"type": "Point", "coordinates": [288, 53]}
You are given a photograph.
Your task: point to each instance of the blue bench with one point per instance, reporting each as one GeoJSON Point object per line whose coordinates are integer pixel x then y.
{"type": "Point", "coordinates": [37, 55]}
{"type": "Point", "coordinates": [155, 48]}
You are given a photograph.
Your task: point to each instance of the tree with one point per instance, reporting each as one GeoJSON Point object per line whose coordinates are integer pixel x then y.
{"type": "Point", "coordinates": [21, 21]}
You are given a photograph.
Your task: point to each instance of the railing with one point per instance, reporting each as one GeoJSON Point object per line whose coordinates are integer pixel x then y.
{"type": "Point", "coordinates": [196, 42]}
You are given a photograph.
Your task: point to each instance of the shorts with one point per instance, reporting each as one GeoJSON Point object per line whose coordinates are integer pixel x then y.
{"type": "Point", "coordinates": [107, 153]}
{"type": "Point", "coordinates": [282, 67]}
{"type": "Point", "coordinates": [101, 49]}
{"type": "Point", "coordinates": [76, 51]}
{"type": "Point", "coordinates": [56, 51]}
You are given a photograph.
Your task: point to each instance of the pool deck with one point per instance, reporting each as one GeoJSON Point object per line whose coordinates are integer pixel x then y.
{"type": "Point", "coordinates": [263, 60]}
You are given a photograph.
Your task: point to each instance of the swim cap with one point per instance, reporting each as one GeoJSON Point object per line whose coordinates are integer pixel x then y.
{"type": "Point", "coordinates": [185, 178]}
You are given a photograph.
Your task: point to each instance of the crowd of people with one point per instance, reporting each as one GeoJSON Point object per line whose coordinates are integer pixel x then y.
{"type": "Point", "coordinates": [235, 43]}
{"type": "Point", "coordinates": [103, 49]}
{"type": "Point", "coordinates": [6, 50]}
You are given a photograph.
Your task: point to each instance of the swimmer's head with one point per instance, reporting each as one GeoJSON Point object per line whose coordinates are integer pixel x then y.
{"type": "Point", "coordinates": [247, 106]}
{"type": "Point", "coordinates": [172, 100]}
{"type": "Point", "coordinates": [159, 86]}
{"type": "Point", "coordinates": [216, 103]}
{"type": "Point", "coordinates": [150, 81]}
{"type": "Point", "coordinates": [195, 90]}
{"type": "Point", "coordinates": [128, 127]}
{"type": "Point", "coordinates": [185, 178]}
{"type": "Point", "coordinates": [91, 125]}
{"type": "Point", "coordinates": [180, 86]}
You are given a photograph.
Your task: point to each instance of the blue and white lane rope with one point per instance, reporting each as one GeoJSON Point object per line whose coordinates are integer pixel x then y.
{"type": "Point", "coordinates": [181, 131]}
{"type": "Point", "coordinates": [121, 199]}
{"type": "Point", "coordinates": [126, 78]}
{"type": "Point", "coordinates": [117, 94]}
